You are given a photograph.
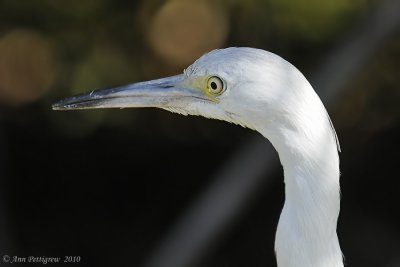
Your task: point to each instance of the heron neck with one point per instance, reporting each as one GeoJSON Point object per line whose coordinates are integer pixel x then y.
{"type": "Point", "coordinates": [306, 233]}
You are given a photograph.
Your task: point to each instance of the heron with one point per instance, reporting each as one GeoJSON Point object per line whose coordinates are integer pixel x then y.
{"type": "Point", "coordinates": [259, 90]}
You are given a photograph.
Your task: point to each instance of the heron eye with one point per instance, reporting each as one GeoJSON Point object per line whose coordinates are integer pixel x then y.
{"type": "Point", "coordinates": [215, 85]}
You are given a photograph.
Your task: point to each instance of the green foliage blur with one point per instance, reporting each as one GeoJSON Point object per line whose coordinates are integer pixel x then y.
{"type": "Point", "coordinates": [52, 49]}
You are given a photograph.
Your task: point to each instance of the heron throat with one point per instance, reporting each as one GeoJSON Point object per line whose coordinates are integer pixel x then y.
{"type": "Point", "coordinates": [306, 233]}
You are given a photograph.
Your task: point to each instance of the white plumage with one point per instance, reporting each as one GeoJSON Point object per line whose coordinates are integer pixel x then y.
{"type": "Point", "coordinates": [261, 91]}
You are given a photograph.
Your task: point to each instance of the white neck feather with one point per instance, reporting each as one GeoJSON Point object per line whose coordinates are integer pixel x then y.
{"type": "Point", "coordinates": [268, 94]}
{"type": "Point", "coordinates": [306, 234]}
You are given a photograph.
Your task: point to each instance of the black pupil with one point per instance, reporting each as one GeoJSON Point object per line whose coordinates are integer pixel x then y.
{"type": "Point", "coordinates": [214, 85]}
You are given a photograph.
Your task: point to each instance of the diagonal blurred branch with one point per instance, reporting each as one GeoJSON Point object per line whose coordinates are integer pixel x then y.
{"type": "Point", "coordinates": [204, 222]}
{"type": "Point", "coordinates": [223, 200]}
{"type": "Point", "coordinates": [351, 54]}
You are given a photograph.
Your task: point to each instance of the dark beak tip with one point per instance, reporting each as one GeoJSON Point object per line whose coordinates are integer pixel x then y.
{"type": "Point", "coordinates": [62, 105]}
{"type": "Point", "coordinates": [56, 107]}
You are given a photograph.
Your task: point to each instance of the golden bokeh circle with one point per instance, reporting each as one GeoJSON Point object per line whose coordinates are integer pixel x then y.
{"type": "Point", "coordinates": [181, 31]}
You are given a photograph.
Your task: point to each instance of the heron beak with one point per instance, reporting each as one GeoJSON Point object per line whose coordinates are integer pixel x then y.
{"type": "Point", "coordinates": [160, 93]}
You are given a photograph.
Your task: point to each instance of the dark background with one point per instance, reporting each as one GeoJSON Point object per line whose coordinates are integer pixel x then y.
{"type": "Point", "coordinates": [109, 185]}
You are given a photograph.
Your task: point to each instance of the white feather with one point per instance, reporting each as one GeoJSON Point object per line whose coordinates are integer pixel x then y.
{"type": "Point", "coordinates": [268, 94]}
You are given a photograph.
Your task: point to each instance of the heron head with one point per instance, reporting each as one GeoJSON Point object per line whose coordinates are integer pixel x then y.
{"type": "Point", "coordinates": [238, 85]}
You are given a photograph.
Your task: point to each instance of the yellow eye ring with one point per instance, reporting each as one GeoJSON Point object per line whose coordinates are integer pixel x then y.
{"type": "Point", "coordinates": [215, 85]}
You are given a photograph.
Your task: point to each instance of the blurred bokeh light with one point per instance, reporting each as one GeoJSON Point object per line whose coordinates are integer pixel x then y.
{"type": "Point", "coordinates": [27, 67]}
{"type": "Point", "coordinates": [181, 31]}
